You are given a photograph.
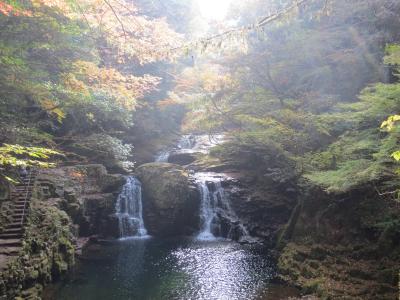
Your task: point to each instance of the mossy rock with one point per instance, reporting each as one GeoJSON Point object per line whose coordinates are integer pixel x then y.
{"type": "Point", "coordinates": [170, 199]}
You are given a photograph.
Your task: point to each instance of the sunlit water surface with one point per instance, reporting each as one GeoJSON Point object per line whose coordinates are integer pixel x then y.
{"type": "Point", "coordinates": [172, 269]}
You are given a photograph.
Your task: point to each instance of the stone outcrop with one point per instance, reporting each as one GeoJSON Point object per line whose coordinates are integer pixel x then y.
{"type": "Point", "coordinates": [47, 253]}
{"type": "Point", "coordinates": [263, 210]}
{"type": "Point", "coordinates": [87, 193]}
{"type": "Point", "coordinates": [182, 158]}
{"type": "Point", "coordinates": [67, 202]}
{"type": "Point", "coordinates": [170, 200]}
{"type": "Point", "coordinates": [339, 247]}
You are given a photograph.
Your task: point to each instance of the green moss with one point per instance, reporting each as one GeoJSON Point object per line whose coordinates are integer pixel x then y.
{"type": "Point", "coordinates": [315, 286]}
{"type": "Point", "coordinates": [287, 231]}
{"type": "Point", "coordinates": [47, 252]}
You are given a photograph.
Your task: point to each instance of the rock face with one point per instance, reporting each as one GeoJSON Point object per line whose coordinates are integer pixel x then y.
{"type": "Point", "coordinates": [170, 200]}
{"type": "Point", "coordinates": [87, 193]}
{"type": "Point", "coordinates": [262, 209]}
{"type": "Point", "coordinates": [66, 202]}
{"type": "Point", "coordinates": [47, 253]}
{"type": "Point", "coordinates": [334, 249]}
{"type": "Point", "coordinates": [181, 158]}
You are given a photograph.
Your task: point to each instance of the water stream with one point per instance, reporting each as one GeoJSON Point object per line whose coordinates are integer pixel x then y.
{"type": "Point", "coordinates": [129, 210]}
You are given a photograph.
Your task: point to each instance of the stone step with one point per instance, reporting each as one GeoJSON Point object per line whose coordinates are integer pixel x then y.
{"type": "Point", "coordinates": [22, 196]}
{"type": "Point", "coordinates": [12, 230]}
{"type": "Point", "coordinates": [10, 251]}
{"type": "Point", "coordinates": [18, 220]}
{"type": "Point", "coordinates": [20, 208]}
{"type": "Point", "coordinates": [11, 243]}
{"type": "Point", "coordinates": [14, 225]}
{"type": "Point", "coordinates": [7, 236]}
{"type": "Point", "coordinates": [18, 215]}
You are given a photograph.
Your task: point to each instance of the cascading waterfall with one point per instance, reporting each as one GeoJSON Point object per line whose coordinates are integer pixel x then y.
{"type": "Point", "coordinates": [187, 142]}
{"type": "Point", "coordinates": [129, 209]}
{"type": "Point", "coordinates": [162, 157]}
{"type": "Point", "coordinates": [217, 219]}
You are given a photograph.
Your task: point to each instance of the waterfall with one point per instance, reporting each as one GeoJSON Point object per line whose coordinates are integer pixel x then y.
{"type": "Point", "coordinates": [129, 209]}
{"type": "Point", "coordinates": [163, 156]}
{"type": "Point", "coordinates": [217, 219]}
{"type": "Point", "coordinates": [187, 142]}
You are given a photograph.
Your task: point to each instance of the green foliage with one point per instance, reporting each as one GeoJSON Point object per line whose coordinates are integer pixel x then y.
{"type": "Point", "coordinates": [106, 149]}
{"type": "Point", "coordinates": [393, 56]}
{"type": "Point", "coordinates": [349, 175]}
{"type": "Point", "coordinates": [17, 155]}
{"type": "Point", "coordinates": [297, 101]}
{"type": "Point", "coordinates": [390, 122]}
{"type": "Point", "coordinates": [363, 155]}
{"type": "Point", "coordinates": [396, 155]}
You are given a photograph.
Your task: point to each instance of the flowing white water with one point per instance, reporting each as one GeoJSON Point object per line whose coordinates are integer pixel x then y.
{"type": "Point", "coordinates": [163, 156]}
{"type": "Point", "coordinates": [187, 142]}
{"type": "Point", "coordinates": [217, 219]}
{"type": "Point", "coordinates": [129, 209]}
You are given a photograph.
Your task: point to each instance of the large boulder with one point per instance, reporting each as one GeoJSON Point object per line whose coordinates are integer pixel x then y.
{"type": "Point", "coordinates": [170, 200]}
{"type": "Point", "coordinates": [182, 158]}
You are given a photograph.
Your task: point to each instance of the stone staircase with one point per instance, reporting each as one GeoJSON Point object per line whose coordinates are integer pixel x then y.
{"type": "Point", "coordinates": [11, 236]}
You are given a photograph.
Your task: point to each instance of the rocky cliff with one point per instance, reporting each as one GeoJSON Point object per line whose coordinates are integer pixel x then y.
{"type": "Point", "coordinates": [67, 203]}
{"type": "Point", "coordinates": [87, 193]}
{"type": "Point", "coordinates": [341, 247]}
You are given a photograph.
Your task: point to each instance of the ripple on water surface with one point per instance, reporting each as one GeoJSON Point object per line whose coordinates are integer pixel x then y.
{"type": "Point", "coordinates": [172, 269]}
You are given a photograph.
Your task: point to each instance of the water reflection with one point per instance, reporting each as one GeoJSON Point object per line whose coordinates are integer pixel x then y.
{"type": "Point", "coordinates": [222, 270]}
{"type": "Point", "coordinates": [171, 269]}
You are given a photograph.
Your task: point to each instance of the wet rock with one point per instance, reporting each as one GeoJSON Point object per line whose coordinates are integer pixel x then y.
{"type": "Point", "coordinates": [87, 193]}
{"type": "Point", "coordinates": [181, 158]}
{"type": "Point", "coordinates": [170, 200]}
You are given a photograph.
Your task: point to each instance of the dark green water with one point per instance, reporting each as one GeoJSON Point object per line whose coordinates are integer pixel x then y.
{"type": "Point", "coordinates": [172, 269]}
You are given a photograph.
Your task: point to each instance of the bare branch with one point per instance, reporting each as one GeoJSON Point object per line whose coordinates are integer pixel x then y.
{"type": "Point", "coordinates": [117, 17]}
{"type": "Point", "coordinates": [264, 21]}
